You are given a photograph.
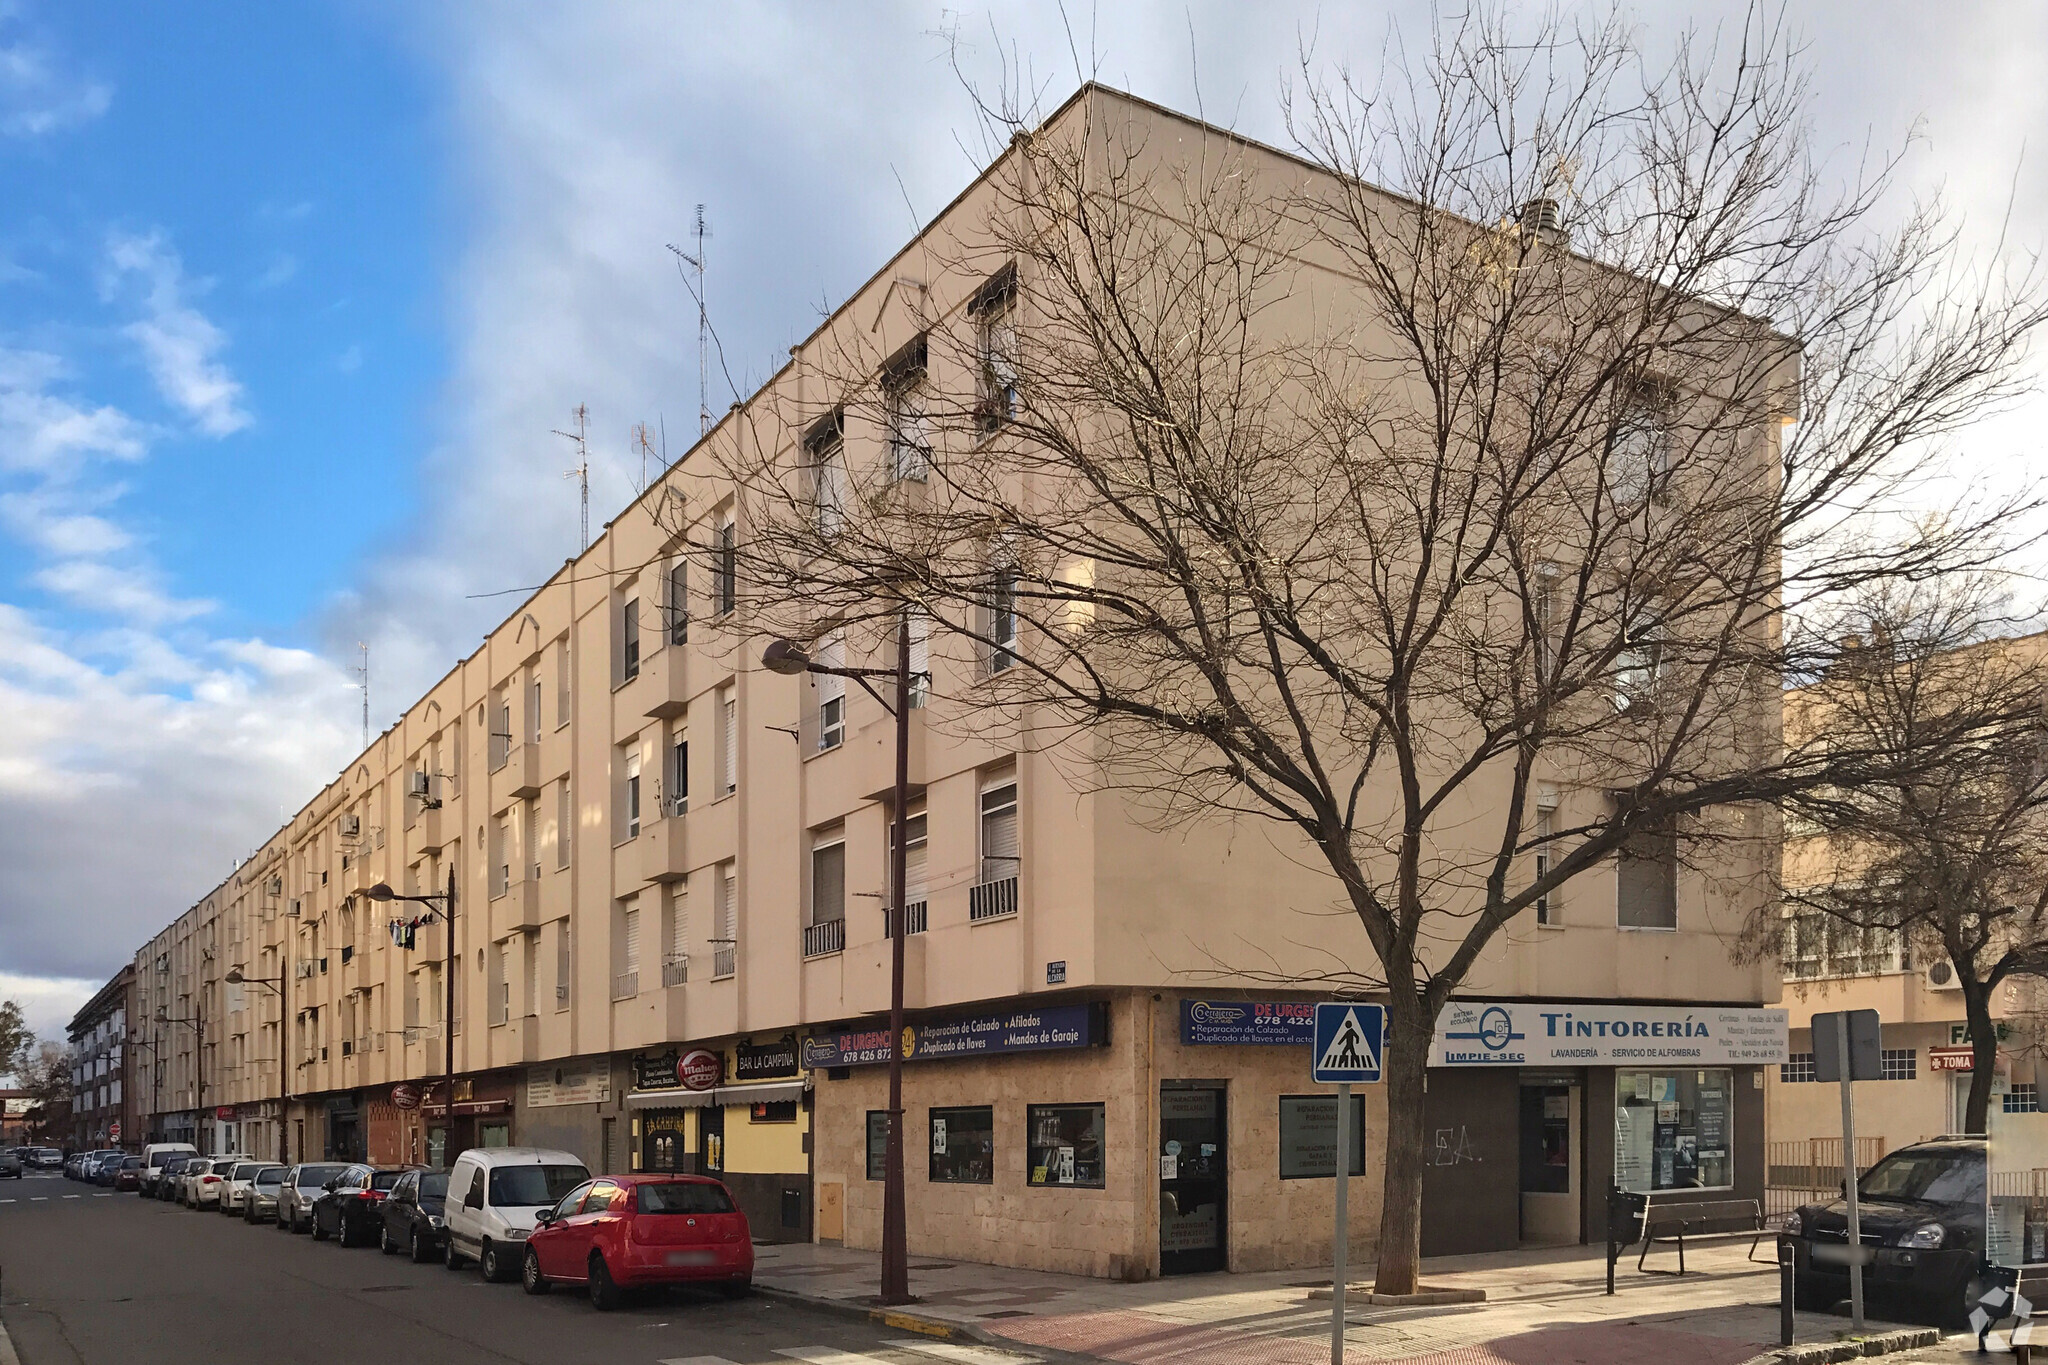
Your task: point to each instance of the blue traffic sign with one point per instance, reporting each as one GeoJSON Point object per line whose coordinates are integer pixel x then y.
{"type": "Point", "coordinates": [1349, 1039]}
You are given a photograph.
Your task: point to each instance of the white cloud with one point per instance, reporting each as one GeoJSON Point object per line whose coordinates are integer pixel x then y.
{"type": "Point", "coordinates": [38, 95]}
{"type": "Point", "coordinates": [42, 431]}
{"type": "Point", "coordinates": [180, 345]}
{"type": "Point", "coordinates": [42, 519]}
{"type": "Point", "coordinates": [131, 593]}
{"type": "Point", "coordinates": [283, 268]}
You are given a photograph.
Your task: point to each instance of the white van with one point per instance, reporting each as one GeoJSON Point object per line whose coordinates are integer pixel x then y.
{"type": "Point", "coordinates": [494, 1194]}
{"type": "Point", "coordinates": [153, 1157]}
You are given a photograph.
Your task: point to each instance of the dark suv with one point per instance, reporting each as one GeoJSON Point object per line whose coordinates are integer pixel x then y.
{"type": "Point", "coordinates": [1921, 1211]}
{"type": "Point", "coordinates": [351, 1205]}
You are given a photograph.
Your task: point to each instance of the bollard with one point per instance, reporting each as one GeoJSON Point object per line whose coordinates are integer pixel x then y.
{"type": "Point", "coordinates": [1785, 1294]}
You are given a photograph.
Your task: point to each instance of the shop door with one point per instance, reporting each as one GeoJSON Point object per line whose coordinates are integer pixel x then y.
{"type": "Point", "coordinates": [661, 1141]}
{"type": "Point", "coordinates": [1193, 1159]}
{"type": "Point", "coordinates": [711, 1139]}
{"type": "Point", "coordinates": [1549, 1138]}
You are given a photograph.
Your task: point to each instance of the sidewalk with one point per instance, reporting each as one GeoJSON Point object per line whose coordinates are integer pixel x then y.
{"type": "Point", "coordinates": [1542, 1308]}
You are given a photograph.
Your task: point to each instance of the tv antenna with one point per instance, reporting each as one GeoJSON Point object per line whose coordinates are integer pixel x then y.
{"type": "Point", "coordinates": [696, 263]}
{"type": "Point", "coordinates": [581, 473]}
{"type": "Point", "coordinates": [362, 671]}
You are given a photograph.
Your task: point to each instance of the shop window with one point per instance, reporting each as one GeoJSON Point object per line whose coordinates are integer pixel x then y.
{"type": "Point", "coordinates": [772, 1111]}
{"type": "Point", "coordinates": [878, 1144]}
{"type": "Point", "coordinates": [1308, 1136]}
{"type": "Point", "coordinates": [1797, 1066]}
{"type": "Point", "coordinates": [1673, 1130]}
{"type": "Point", "coordinates": [1065, 1142]}
{"type": "Point", "coordinates": [963, 1146]}
{"type": "Point", "coordinates": [1898, 1064]}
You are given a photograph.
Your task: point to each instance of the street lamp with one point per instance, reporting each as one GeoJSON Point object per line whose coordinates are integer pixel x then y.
{"type": "Point", "coordinates": [382, 892]}
{"type": "Point", "coordinates": [198, 1023]}
{"type": "Point", "coordinates": [790, 659]}
{"type": "Point", "coordinates": [237, 977]}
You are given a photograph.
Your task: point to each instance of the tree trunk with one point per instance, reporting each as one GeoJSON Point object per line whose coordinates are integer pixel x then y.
{"type": "Point", "coordinates": [1404, 1059]}
{"type": "Point", "coordinates": [1983, 1057]}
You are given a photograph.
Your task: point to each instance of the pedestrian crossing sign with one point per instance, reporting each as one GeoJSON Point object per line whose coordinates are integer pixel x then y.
{"type": "Point", "coordinates": [1348, 1042]}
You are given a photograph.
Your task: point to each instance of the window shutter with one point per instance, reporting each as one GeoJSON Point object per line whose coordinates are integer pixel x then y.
{"type": "Point", "coordinates": [728, 750]}
{"type": "Point", "coordinates": [632, 938]}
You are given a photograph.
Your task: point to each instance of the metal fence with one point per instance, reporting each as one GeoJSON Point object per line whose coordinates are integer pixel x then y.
{"type": "Point", "coordinates": [1809, 1170]}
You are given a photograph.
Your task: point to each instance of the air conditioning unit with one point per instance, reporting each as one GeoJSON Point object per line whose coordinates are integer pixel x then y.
{"type": "Point", "coordinates": [422, 784]}
{"type": "Point", "coordinates": [1941, 976]}
{"type": "Point", "coordinates": [274, 887]}
{"type": "Point", "coordinates": [351, 826]}
{"type": "Point", "coordinates": [305, 969]}
{"type": "Point", "coordinates": [295, 906]}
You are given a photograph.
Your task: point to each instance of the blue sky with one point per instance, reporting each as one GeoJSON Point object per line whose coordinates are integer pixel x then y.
{"type": "Point", "coordinates": [292, 297]}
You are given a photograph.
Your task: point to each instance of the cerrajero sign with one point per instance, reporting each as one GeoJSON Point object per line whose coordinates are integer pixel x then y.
{"type": "Point", "coordinates": [1521, 1033]}
{"type": "Point", "coordinates": [765, 1061]}
{"type": "Point", "coordinates": [1025, 1030]}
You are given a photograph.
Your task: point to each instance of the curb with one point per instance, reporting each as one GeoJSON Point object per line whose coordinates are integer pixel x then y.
{"type": "Point", "coordinates": [1833, 1352]}
{"type": "Point", "coordinates": [897, 1318]}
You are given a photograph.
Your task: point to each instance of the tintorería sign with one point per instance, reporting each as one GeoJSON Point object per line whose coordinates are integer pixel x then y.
{"type": "Point", "coordinates": [1519, 1033]}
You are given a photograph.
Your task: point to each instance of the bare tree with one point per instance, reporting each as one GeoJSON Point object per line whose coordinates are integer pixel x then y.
{"type": "Point", "coordinates": [1947, 862]}
{"type": "Point", "coordinates": [1432, 471]}
{"type": "Point", "coordinates": [46, 1079]}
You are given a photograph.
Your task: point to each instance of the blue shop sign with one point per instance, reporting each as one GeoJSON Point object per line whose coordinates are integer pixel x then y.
{"type": "Point", "coordinates": [1270, 1022]}
{"type": "Point", "coordinates": [1022, 1030]}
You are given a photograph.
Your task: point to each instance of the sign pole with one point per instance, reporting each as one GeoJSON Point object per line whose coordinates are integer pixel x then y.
{"type": "Point", "coordinates": [1849, 1178]}
{"type": "Point", "coordinates": [1343, 1237]}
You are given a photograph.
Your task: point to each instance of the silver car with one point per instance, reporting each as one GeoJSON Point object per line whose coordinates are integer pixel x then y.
{"type": "Point", "coordinates": [302, 1185]}
{"type": "Point", "coordinates": [235, 1187]}
{"type": "Point", "coordinates": [259, 1201]}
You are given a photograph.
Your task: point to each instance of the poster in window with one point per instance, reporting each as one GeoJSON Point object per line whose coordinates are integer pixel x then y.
{"type": "Point", "coordinates": [938, 1137]}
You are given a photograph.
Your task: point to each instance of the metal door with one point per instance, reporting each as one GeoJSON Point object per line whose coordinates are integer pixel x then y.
{"type": "Point", "coordinates": [1194, 1162]}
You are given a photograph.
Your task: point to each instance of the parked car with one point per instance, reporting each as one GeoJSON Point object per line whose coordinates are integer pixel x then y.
{"type": "Point", "coordinates": [170, 1177]}
{"type": "Point", "coordinates": [1921, 1210]}
{"type": "Point", "coordinates": [154, 1155]}
{"type": "Point", "coordinates": [260, 1204]}
{"type": "Point", "coordinates": [128, 1176]}
{"type": "Point", "coordinates": [49, 1159]}
{"type": "Point", "coordinates": [10, 1165]}
{"type": "Point", "coordinates": [494, 1195]}
{"type": "Point", "coordinates": [622, 1232]}
{"type": "Point", "coordinates": [302, 1185]}
{"type": "Point", "coordinates": [204, 1182]}
{"type": "Point", "coordinates": [236, 1187]}
{"type": "Point", "coordinates": [351, 1205]}
{"type": "Point", "coordinates": [103, 1170]}
{"type": "Point", "coordinates": [415, 1216]}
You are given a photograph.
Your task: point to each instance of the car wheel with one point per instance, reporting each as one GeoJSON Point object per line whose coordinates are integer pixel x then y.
{"type": "Point", "coordinates": [345, 1230]}
{"type": "Point", "coordinates": [450, 1257]}
{"type": "Point", "coordinates": [605, 1293]}
{"type": "Point", "coordinates": [384, 1242]}
{"type": "Point", "coordinates": [319, 1233]}
{"type": "Point", "coordinates": [530, 1278]}
{"type": "Point", "coordinates": [491, 1263]}
{"type": "Point", "coordinates": [415, 1249]}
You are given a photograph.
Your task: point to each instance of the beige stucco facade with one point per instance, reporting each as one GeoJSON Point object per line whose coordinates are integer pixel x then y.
{"type": "Point", "coordinates": [589, 933]}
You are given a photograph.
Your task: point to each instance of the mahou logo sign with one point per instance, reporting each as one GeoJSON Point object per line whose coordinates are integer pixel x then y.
{"type": "Point", "coordinates": [699, 1069]}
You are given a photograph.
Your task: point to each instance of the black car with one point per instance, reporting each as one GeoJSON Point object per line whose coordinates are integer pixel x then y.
{"type": "Point", "coordinates": [414, 1220]}
{"type": "Point", "coordinates": [166, 1187]}
{"type": "Point", "coordinates": [1921, 1212]}
{"type": "Point", "coordinates": [351, 1206]}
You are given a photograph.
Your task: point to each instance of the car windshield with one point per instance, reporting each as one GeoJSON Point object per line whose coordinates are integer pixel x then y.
{"type": "Point", "coordinates": [384, 1180]}
{"type": "Point", "coordinates": [683, 1196]}
{"type": "Point", "coordinates": [532, 1186]}
{"type": "Point", "coordinates": [313, 1177]}
{"type": "Point", "coordinates": [246, 1170]}
{"type": "Point", "coordinates": [133, 1163]}
{"type": "Point", "coordinates": [270, 1175]}
{"type": "Point", "coordinates": [1935, 1176]}
{"type": "Point", "coordinates": [434, 1185]}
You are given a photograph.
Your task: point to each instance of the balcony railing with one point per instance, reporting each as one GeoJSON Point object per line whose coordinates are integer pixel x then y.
{"type": "Point", "coordinates": [992, 900]}
{"type": "Point", "coordinates": [675, 971]}
{"type": "Point", "coordinates": [724, 961]}
{"type": "Point", "coordinates": [824, 939]}
{"type": "Point", "coordinates": [913, 919]}
{"type": "Point", "coordinates": [626, 985]}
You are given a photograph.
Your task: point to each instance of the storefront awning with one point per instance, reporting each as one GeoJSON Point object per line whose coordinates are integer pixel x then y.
{"type": "Point", "coordinates": [668, 1099]}
{"type": "Point", "coordinates": [761, 1092]}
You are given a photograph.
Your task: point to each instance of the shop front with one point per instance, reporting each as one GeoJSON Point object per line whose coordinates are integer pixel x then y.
{"type": "Point", "coordinates": [568, 1106]}
{"type": "Point", "coordinates": [446, 1119]}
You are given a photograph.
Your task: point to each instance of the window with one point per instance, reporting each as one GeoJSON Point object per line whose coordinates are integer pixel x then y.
{"type": "Point", "coordinates": [533, 710]}
{"type": "Point", "coordinates": [1673, 1130]}
{"type": "Point", "coordinates": [1000, 627]}
{"type": "Point", "coordinates": [1639, 447]}
{"type": "Point", "coordinates": [2022, 1098]}
{"type": "Point", "coordinates": [963, 1146]}
{"type": "Point", "coordinates": [1646, 881]}
{"type": "Point", "coordinates": [1797, 1067]}
{"type": "Point", "coordinates": [831, 693]}
{"type": "Point", "coordinates": [632, 795]}
{"type": "Point", "coordinates": [728, 742]}
{"type": "Point", "coordinates": [1637, 667]}
{"type": "Point", "coordinates": [903, 392]}
{"type": "Point", "coordinates": [1548, 911]}
{"type": "Point", "coordinates": [1308, 1136]}
{"type": "Point", "coordinates": [1817, 944]}
{"type": "Point", "coordinates": [563, 962]}
{"type": "Point", "coordinates": [565, 823]}
{"type": "Point", "coordinates": [679, 602]}
{"type": "Point", "coordinates": [501, 855]}
{"type": "Point", "coordinates": [913, 859]}
{"type": "Point", "coordinates": [825, 448]}
{"type": "Point", "coordinates": [562, 682]}
{"type": "Point", "coordinates": [772, 1111]}
{"type": "Point", "coordinates": [993, 310]}
{"type": "Point", "coordinates": [678, 776]}
{"type": "Point", "coordinates": [1546, 589]}
{"type": "Point", "coordinates": [1898, 1063]}
{"type": "Point", "coordinates": [529, 839]}
{"type": "Point", "coordinates": [999, 831]}
{"type": "Point", "coordinates": [725, 566]}
{"type": "Point", "coordinates": [629, 936]}
{"type": "Point", "coordinates": [920, 656]}
{"type": "Point", "coordinates": [629, 636]}
{"type": "Point", "coordinates": [1065, 1143]}
{"type": "Point", "coordinates": [878, 1144]}
{"type": "Point", "coordinates": [828, 875]}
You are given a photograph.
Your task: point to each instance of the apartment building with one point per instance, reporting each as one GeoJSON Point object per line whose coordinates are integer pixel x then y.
{"type": "Point", "coordinates": [665, 949]}
{"type": "Point", "coordinates": [103, 1110]}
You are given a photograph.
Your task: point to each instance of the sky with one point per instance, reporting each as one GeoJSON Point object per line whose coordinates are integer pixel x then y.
{"type": "Point", "coordinates": [294, 298]}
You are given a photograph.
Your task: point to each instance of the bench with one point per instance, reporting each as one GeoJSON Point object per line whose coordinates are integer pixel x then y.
{"type": "Point", "coordinates": [1673, 1220]}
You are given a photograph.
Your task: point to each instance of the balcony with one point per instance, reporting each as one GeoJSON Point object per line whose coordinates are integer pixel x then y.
{"type": "Point", "coordinates": [992, 900]}
{"type": "Point", "coordinates": [913, 916]}
{"type": "Point", "coordinates": [725, 959]}
{"type": "Point", "coordinates": [518, 908]}
{"type": "Point", "coordinates": [663, 850]}
{"type": "Point", "coordinates": [432, 831]}
{"type": "Point", "coordinates": [626, 985]}
{"type": "Point", "coordinates": [528, 1035]}
{"type": "Point", "coordinates": [675, 971]}
{"type": "Point", "coordinates": [663, 687]}
{"type": "Point", "coordinates": [520, 773]}
{"type": "Point", "coordinates": [823, 940]}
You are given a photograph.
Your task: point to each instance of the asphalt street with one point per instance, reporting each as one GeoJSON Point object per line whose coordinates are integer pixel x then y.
{"type": "Point", "coordinates": [89, 1278]}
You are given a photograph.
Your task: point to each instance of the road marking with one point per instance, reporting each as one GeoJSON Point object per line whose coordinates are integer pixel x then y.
{"type": "Point", "coordinates": [694, 1360]}
{"type": "Point", "coordinates": [80, 1196]}
{"type": "Point", "coordinates": [825, 1355]}
{"type": "Point", "coordinates": [44, 1199]}
{"type": "Point", "coordinates": [109, 1196]}
{"type": "Point", "coordinates": [964, 1355]}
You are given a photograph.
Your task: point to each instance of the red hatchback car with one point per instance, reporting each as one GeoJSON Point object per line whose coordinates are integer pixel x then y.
{"type": "Point", "coordinates": [620, 1232]}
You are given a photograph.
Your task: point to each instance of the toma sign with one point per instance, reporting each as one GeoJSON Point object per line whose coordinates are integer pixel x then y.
{"type": "Point", "coordinates": [1518, 1033]}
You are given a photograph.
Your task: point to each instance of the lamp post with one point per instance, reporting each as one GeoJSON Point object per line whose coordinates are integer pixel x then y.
{"type": "Point", "coordinates": [790, 659]}
{"type": "Point", "coordinates": [237, 977]}
{"type": "Point", "coordinates": [382, 892]}
{"type": "Point", "coordinates": [198, 1023]}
